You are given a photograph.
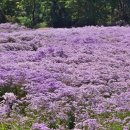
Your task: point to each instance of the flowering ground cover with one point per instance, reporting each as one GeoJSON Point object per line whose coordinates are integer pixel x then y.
{"type": "Point", "coordinates": [62, 79]}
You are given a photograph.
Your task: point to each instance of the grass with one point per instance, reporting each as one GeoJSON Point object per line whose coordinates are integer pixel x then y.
{"type": "Point", "coordinates": [17, 89]}
{"type": "Point", "coordinates": [103, 119]}
{"type": "Point", "coordinates": [114, 126]}
{"type": "Point", "coordinates": [44, 116]}
{"type": "Point", "coordinates": [15, 126]}
{"type": "Point", "coordinates": [123, 115]}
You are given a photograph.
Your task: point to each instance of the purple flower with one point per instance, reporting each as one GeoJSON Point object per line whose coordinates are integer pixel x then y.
{"type": "Point", "coordinates": [39, 126]}
{"type": "Point", "coordinates": [9, 97]}
{"type": "Point", "coordinates": [79, 69]}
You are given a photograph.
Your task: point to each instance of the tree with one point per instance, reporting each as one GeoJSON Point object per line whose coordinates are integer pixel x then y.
{"type": "Point", "coordinates": [65, 13]}
{"type": "Point", "coordinates": [2, 17]}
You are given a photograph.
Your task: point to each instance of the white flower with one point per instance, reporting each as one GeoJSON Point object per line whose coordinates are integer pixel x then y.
{"type": "Point", "coordinates": [9, 97]}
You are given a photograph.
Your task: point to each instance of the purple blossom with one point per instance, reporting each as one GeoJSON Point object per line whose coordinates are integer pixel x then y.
{"type": "Point", "coordinates": [9, 98]}
{"type": "Point", "coordinates": [39, 126]}
{"type": "Point", "coordinates": [80, 69]}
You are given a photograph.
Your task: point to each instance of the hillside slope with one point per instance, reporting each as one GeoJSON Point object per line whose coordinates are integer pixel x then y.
{"type": "Point", "coordinates": [79, 71]}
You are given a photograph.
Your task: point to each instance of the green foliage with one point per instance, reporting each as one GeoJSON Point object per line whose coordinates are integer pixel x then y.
{"type": "Point", "coordinates": [65, 13]}
{"type": "Point", "coordinates": [114, 126]}
{"type": "Point", "coordinates": [16, 125]}
{"type": "Point", "coordinates": [103, 119]}
{"type": "Point", "coordinates": [71, 120]}
{"type": "Point", "coordinates": [122, 115]}
{"type": "Point", "coordinates": [17, 89]}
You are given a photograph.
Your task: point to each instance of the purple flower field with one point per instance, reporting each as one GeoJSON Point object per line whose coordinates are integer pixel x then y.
{"type": "Point", "coordinates": [61, 79]}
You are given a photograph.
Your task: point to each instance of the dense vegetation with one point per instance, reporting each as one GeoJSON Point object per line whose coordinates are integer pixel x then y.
{"type": "Point", "coordinates": [65, 13]}
{"type": "Point", "coordinates": [64, 79]}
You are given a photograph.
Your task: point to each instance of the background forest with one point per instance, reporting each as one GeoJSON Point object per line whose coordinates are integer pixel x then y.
{"type": "Point", "coordinates": [65, 13]}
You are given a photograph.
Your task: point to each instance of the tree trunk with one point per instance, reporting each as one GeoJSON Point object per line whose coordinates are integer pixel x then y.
{"type": "Point", "coordinates": [2, 17]}
{"type": "Point", "coordinates": [33, 12]}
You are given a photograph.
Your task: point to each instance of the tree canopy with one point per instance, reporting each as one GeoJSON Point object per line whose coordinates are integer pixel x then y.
{"type": "Point", "coordinates": [65, 13]}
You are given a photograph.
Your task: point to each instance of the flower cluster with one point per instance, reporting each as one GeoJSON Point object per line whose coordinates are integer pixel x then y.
{"type": "Point", "coordinates": [38, 126]}
{"type": "Point", "coordinates": [79, 70]}
{"type": "Point", "coordinates": [9, 98]}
